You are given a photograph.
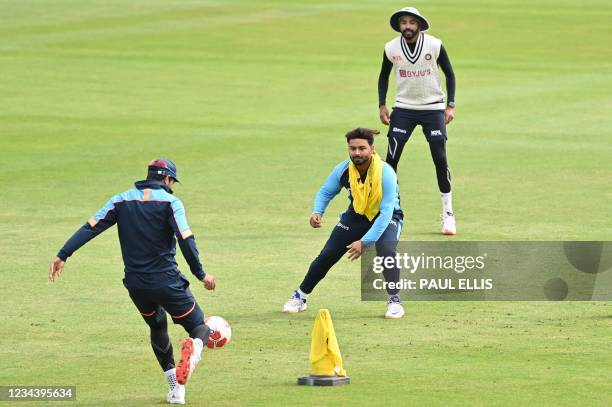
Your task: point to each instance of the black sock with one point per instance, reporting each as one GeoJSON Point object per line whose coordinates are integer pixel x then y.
{"type": "Point", "coordinates": [201, 332]}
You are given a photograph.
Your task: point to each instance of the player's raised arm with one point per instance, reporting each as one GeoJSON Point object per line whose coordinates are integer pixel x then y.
{"type": "Point", "coordinates": [104, 219]}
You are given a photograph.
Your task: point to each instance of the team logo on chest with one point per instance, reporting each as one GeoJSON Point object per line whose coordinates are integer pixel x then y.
{"type": "Point", "coordinates": [413, 56]}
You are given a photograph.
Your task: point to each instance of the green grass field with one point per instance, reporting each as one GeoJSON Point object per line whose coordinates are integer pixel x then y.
{"type": "Point", "coordinates": [251, 99]}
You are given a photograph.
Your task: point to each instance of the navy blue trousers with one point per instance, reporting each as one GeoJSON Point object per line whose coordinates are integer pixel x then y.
{"type": "Point", "coordinates": [403, 122]}
{"type": "Point", "coordinates": [349, 229]}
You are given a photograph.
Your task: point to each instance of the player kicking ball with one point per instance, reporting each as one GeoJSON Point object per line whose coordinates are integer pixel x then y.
{"type": "Point", "coordinates": [148, 219]}
{"type": "Point", "coordinates": [374, 217]}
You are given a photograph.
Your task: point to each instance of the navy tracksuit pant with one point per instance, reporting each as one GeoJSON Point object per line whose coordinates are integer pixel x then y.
{"type": "Point", "coordinates": [349, 229]}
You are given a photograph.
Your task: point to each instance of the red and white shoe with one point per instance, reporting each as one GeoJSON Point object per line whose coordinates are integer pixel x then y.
{"type": "Point", "coordinates": [191, 351]}
{"type": "Point", "coordinates": [448, 224]}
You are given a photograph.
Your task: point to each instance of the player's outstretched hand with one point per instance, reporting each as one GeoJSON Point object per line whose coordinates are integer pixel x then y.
{"type": "Point", "coordinates": [355, 250]}
{"type": "Point", "coordinates": [55, 268]}
{"type": "Point", "coordinates": [315, 220]}
{"type": "Point", "coordinates": [449, 115]}
{"type": "Point", "coordinates": [209, 282]}
{"type": "Point", "coordinates": [383, 112]}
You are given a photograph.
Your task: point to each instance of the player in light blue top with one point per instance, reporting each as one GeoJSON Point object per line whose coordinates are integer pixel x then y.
{"type": "Point", "coordinates": [367, 220]}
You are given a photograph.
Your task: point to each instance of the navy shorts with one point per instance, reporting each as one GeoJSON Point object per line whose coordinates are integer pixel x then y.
{"type": "Point", "coordinates": [175, 298]}
{"type": "Point", "coordinates": [403, 122]}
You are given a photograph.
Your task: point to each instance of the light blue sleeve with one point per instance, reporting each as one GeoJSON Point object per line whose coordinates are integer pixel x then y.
{"type": "Point", "coordinates": [387, 204]}
{"type": "Point", "coordinates": [105, 210]}
{"type": "Point", "coordinates": [330, 188]}
{"type": "Point", "coordinates": [180, 218]}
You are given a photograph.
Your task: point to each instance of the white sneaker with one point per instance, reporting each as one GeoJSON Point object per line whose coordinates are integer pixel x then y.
{"type": "Point", "coordinates": [448, 224]}
{"type": "Point", "coordinates": [191, 351]}
{"type": "Point", "coordinates": [295, 304]}
{"type": "Point", "coordinates": [395, 310]}
{"type": "Point", "coordinates": [176, 395]}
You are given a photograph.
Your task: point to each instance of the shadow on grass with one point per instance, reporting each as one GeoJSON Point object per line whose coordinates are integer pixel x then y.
{"type": "Point", "coordinates": [277, 316]}
{"type": "Point", "coordinates": [597, 317]}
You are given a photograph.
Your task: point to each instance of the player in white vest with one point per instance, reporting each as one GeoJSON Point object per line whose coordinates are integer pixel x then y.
{"type": "Point", "coordinates": [415, 57]}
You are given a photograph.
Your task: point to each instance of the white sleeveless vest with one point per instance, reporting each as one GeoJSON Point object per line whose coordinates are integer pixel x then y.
{"type": "Point", "coordinates": [417, 77]}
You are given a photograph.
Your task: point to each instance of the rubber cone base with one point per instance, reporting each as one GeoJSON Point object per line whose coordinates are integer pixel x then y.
{"type": "Point", "coordinates": [323, 380]}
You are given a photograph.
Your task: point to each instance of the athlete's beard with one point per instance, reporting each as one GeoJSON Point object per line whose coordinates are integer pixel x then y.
{"type": "Point", "coordinates": [360, 160]}
{"type": "Point", "coordinates": [410, 35]}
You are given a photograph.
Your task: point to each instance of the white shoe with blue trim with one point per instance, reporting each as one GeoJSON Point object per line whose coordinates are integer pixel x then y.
{"type": "Point", "coordinates": [295, 304]}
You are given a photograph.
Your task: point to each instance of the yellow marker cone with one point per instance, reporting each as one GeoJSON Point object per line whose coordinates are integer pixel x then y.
{"type": "Point", "coordinates": [325, 358]}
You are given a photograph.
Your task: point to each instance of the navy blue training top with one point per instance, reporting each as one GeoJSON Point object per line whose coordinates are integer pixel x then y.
{"type": "Point", "coordinates": [148, 219]}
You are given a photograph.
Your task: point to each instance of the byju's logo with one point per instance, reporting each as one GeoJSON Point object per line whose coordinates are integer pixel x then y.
{"type": "Point", "coordinates": [436, 132]}
{"type": "Point", "coordinates": [395, 129]}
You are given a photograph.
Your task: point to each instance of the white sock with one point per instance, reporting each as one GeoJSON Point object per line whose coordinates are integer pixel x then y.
{"type": "Point", "coordinates": [171, 377]}
{"type": "Point", "coordinates": [447, 202]}
{"type": "Point", "coordinates": [302, 294]}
